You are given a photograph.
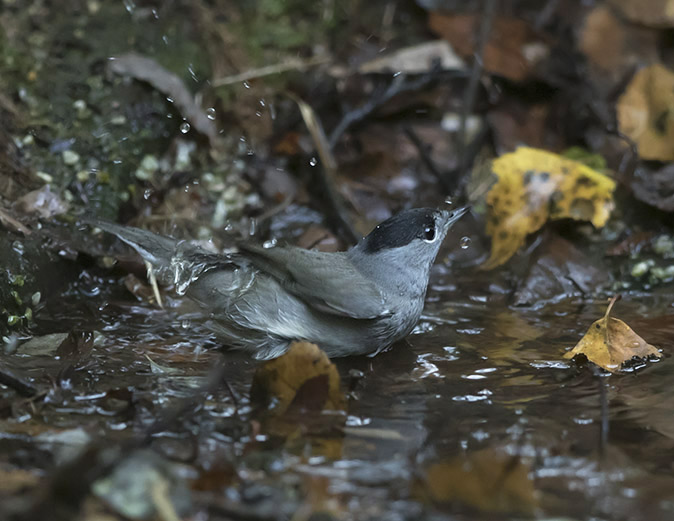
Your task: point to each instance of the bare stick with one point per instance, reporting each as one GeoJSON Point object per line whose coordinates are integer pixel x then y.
{"type": "Point", "coordinates": [473, 82]}
{"type": "Point", "coordinates": [268, 70]}
{"type": "Point", "coordinates": [329, 170]}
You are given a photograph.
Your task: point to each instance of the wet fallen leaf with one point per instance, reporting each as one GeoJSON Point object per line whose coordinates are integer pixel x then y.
{"type": "Point", "coordinates": [303, 378]}
{"type": "Point", "coordinates": [535, 186]}
{"type": "Point", "coordinates": [610, 343]}
{"type": "Point", "coordinates": [645, 115]}
{"type": "Point", "coordinates": [415, 59]}
{"type": "Point", "coordinates": [42, 202]}
{"type": "Point", "coordinates": [655, 187]}
{"type": "Point", "coordinates": [513, 48]}
{"type": "Point", "coordinates": [486, 480]}
{"type": "Point", "coordinates": [557, 269]}
{"type": "Point", "coordinates": [137, 482]}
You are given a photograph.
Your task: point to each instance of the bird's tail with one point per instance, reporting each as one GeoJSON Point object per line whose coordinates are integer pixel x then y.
{"type": "Point", "coordinates": [175, 262]}
{"type": "Point", "coordinates": [156, 249]}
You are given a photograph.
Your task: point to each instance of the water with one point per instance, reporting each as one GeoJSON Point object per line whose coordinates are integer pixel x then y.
{"type": "Point", "coordinates": [476, 380]}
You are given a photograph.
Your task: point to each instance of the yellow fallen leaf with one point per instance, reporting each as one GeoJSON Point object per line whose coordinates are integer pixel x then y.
{"type": "Point", "coordinates": [302, 378]}
{"type": "Point", "coordinates": [535, 186]}
{"type": "Point", "coordinates": [610, 343]}
{"type": "Point", "coordinates": [487, 480]}
{"type": "Point", "coordinates": [645, 112]}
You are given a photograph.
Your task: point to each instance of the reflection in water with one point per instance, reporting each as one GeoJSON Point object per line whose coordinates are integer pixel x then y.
{"type": "Point", "coordinates": [475, 379]}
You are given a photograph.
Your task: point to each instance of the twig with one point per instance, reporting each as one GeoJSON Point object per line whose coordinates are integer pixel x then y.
{"type": "Point", "coordinates": [426, 158]}
{"type": "Point", "coordinates": [473, 82]}
{"type": "Point", "coordinates": [268, 70]}
{"type": "Point", "coordinates": [14, 382]}
{"type": "Point", "coordinates": [329, 170]}
{"type": "Point", "coordinates": [162, 502]}
{"type": "Point", "coordinates": [153, 284]}
{"type": "Point", "coordinates": [399, 85]}
{"type": "Point", "coordinates": [9, 222]}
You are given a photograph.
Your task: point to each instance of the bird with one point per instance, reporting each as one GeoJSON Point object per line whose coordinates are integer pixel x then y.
{"type": "Point", "coordinates": [355, 302]}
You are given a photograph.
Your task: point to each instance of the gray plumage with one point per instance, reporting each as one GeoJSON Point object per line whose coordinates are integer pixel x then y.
{"type": "Point", "coordinates": [261, 299]}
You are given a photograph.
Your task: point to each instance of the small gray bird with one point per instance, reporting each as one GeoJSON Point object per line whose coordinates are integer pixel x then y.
{"type": "Point", "coordinates": [349, 303]}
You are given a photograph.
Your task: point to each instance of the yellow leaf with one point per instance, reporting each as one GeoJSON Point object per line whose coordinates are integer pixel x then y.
{"type": "Point", "coordinates": [302, 378]}
{"type": "Point", "coordinates": [610, 343]}
{"type": "Point", "coordinates": [486, 480]}
{"type": "Point", "coordinates": [535, 186]}
{"type": "Point", "coordinates": [645, 112]}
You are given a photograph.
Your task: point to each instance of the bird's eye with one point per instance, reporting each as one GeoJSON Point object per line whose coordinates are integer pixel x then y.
{"type": "Point", "coordinates": [429, 233]}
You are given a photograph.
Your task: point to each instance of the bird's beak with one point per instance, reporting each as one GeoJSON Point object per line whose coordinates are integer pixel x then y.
{"type": "Point", "coordinates": [455, 215]}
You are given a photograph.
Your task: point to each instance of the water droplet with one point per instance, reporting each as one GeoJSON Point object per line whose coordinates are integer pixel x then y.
{"type": "Point", "coordinates": [130, 6]}
{"type": "Point", "coordinates": [169, 99]}
{"type": "Point", "coordinates": [269, 244]}
{"type": "Point", "coordinates": [18, 247]}
{"type": "Point", "coordinates": [190, 69]}
{"type": "Point", "coordinates": [165, 39]}
{"type": "Point", "coordinates": [465, 242]}
{"type": "Point", "coordinates": [185, 127]}
{"type": "Point", "coordinates": [210, 113]}
{"type": "Point", "coordinates": [246, 84]}
{"type": "Point", "coordinates": [313, 161]}
{"type": "Point", "coordinates": [228, 226]}
{"type": "Point", "coordinates": [262, 103]}
{"type": "Point", "coordinates": [449, 201]}
{"type": "Point", "coordinates": [252, 226]}
{"type": "Point", "coordinates": [258, 113]}
{"type": "Point", "coordinates": [185, 323]}
{"type": "Point", "coordinates": [155, 14]}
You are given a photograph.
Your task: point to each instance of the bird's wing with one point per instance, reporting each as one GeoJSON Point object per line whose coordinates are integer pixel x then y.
{"type": "Point", "coordinates": [327, 281]}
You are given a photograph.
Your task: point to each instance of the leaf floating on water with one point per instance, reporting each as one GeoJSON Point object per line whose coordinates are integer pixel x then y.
{"type": "Point", "coordinates": [535, 186]}
{"type": "Point", "coordinates": [487, 480]}
{"type": "Point", "coordinates": [610, 343]}
{"type": "Point", "coordinates": [304, 378]}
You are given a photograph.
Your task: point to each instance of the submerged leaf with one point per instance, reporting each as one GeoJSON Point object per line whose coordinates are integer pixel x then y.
{"type": "Point", "coordinates": [610, 343]}
{"type": "Point", "coordinates": [535, 186]}
{"type": "Point", "coordinates": [486, 480]}
{"type": "Point", "coordinates": [303, 378]}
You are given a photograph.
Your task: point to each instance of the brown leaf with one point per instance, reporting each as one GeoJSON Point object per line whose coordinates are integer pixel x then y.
{"type": "Point", "coordinates": [513, 48]}
{"type": "Point", "coordinates": [655, 187]}
{"type": "Point", "coordinates": [487, 480]}
{"type": "Point", "coordinates": [303, 378]}
{"type": "Point", "coordinates": [610, 343]}
{"type": "Point", "coordinates": [558, 269]}
{"type": "Point", "coordinates": [613, 45]}
{"type": "Point", "coordinates": [654, 13]}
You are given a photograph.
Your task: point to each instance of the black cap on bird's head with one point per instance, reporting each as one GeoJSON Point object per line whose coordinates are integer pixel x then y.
{"type": "Point", "coordinates": [423, 224]}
